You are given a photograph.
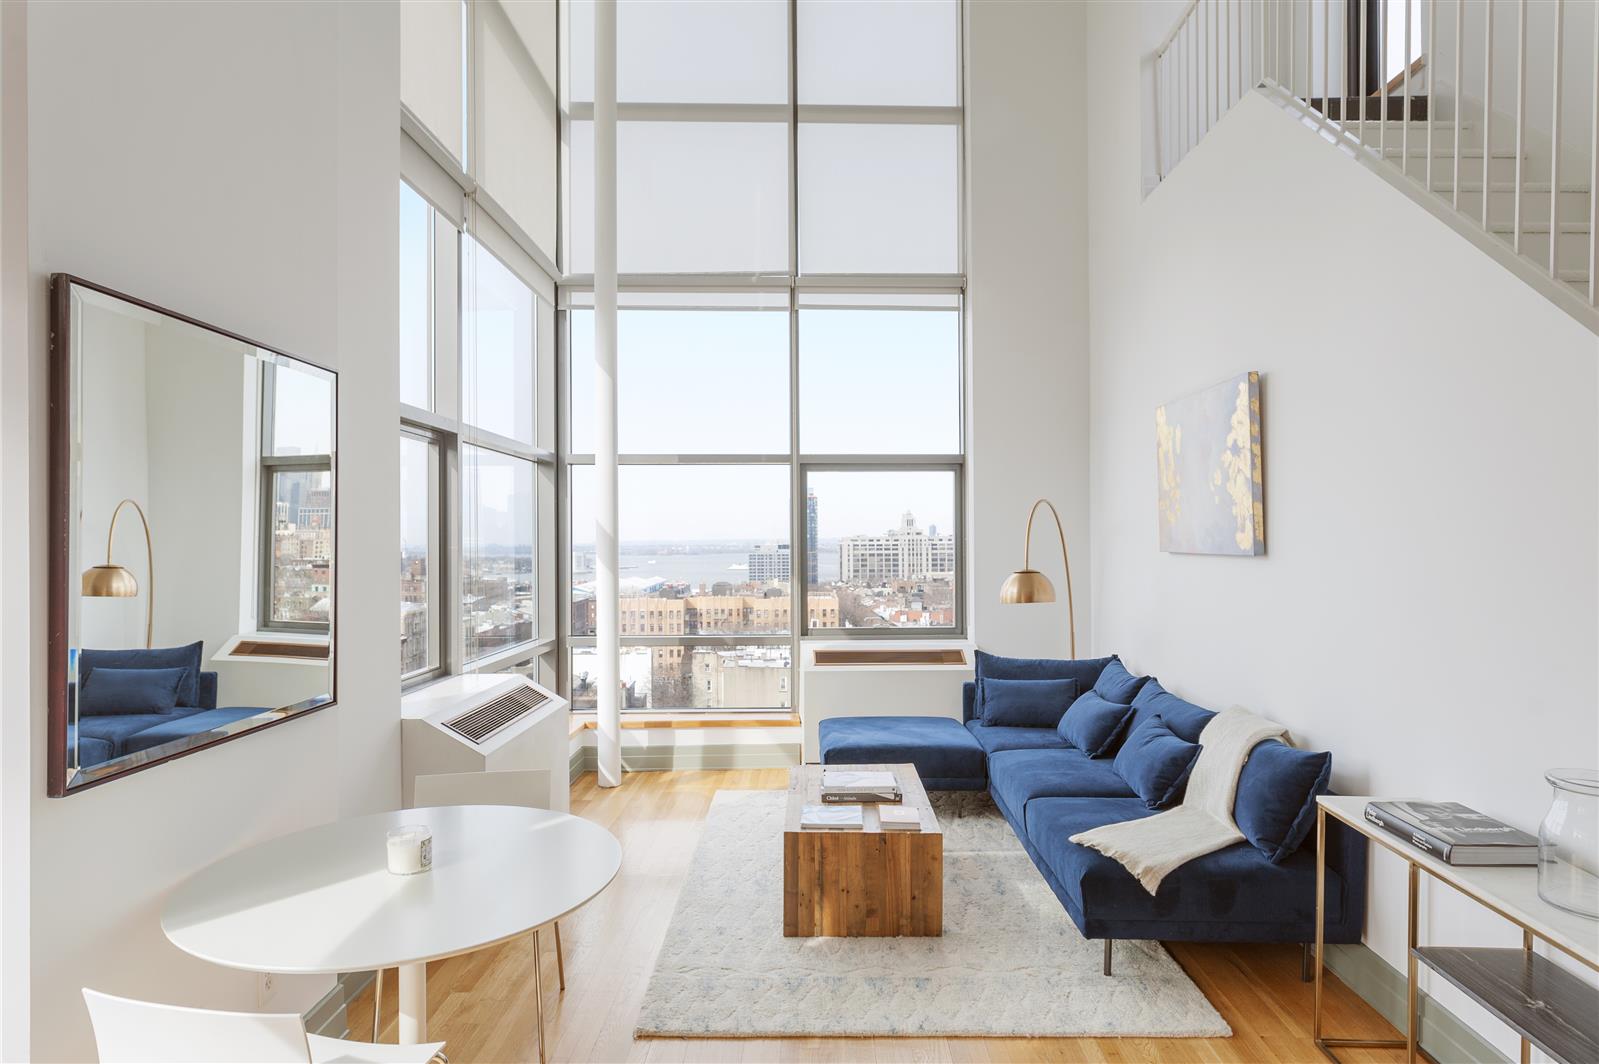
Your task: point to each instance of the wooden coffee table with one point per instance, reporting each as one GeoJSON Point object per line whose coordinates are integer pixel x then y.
{"type": "Point", "coordinates": [866, 883]}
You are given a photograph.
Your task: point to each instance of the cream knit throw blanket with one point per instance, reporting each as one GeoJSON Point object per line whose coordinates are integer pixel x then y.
{"type": "Point", "coordinates": [1153, 847]}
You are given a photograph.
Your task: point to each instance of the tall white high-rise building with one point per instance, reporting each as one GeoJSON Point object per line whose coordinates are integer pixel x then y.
{"type": "Point", "coordinates": [903, 553]}
{"type": "Point", "coordinates": [771, 564]}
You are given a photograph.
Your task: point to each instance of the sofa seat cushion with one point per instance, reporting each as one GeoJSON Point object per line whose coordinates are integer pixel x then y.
{"type": "Point", "coordinates": [91, 751]}
{"type": "Point", "coordinates": [1018, 776]}
{"type": "Point", "coordinates": [185, 725]}
{"type": "Point", "coordinates": [117, 729]}
{"type": "Point", "coordinates": [946, 756]}
{"type": "Point", "coordinates": [994, 739]}
{"type": "Point", "coordinates": [1237, 885]}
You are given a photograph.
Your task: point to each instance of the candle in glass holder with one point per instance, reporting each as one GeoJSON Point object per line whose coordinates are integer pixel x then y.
{"type": "Point", "coordinates": [410, 849]}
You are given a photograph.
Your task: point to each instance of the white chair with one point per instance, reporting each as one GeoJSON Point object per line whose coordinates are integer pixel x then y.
{"type": "Point", "coordinates": [145, 1032]}
{"type": "Point", "coordinates": [529, 789]}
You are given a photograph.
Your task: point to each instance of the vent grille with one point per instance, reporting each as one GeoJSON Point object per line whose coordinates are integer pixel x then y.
{"type": "Point", "coordinates": [478, 724]}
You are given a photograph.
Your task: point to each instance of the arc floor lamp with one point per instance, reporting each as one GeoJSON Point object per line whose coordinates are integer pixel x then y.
{"type": "Point", "coordinates": [1029, 585]}
{"type": "Point", "coordinates": [115, 581]}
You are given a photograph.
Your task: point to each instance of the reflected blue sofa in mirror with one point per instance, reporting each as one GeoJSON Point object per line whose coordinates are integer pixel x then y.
{"type": "Point", "coordinates": [133, 700]}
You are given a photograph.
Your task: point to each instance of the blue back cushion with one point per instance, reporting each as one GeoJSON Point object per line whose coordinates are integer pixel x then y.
{"type": "Point", "coordinates": [1028, 703]}
{"type": "Point", "coordinates": [1185, 719]}
{"type": "Point", "coordinates": [1116, 684]}
{"type": "Point", "coordinates": [117, 691]}
{"type": "Point", "coordinates": [1276, 803]}
{"type": "Point", "coordinates": [1095, 725]}
{"type": "Point", "coordinates": [1156, 763]}
{"type": "Point", "coordinates": [993, 667]}
{"type": "Point", "coordinates": [186, 657]}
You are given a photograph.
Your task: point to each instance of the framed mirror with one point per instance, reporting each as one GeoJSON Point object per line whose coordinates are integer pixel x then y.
{"type": "Point", "coordinates": [193, 482]}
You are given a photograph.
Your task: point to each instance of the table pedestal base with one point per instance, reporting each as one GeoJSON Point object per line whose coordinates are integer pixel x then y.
{"type": "Point", "coordinates": [413, 1003]}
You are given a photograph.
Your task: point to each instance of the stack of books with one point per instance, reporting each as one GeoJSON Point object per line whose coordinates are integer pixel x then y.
{"type": "Point", "coordinates": [1454, 833]}
{"type": "Point", "coordinates": [853, 786]}
{"type": "Point", "coordinates": [899, 818]}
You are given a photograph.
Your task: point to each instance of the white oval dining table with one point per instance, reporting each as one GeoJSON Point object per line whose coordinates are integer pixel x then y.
{"type": "Point", "coordinates": [322, 900]}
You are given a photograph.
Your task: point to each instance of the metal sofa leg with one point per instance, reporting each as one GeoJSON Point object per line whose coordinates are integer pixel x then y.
{"type": "Point", "coordinates": [1108, 942]}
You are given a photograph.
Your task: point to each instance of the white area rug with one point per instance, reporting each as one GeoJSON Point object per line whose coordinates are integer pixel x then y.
{"type": "Point", "coordinates": [1010, 961]}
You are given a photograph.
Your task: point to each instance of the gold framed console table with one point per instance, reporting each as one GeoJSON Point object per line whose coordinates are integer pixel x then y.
{"type": "Point", "coordinates": [1543, 1002]}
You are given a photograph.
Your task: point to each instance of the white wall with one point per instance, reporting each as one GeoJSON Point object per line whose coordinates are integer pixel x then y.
{"type": "Point", "coordinates": [1428, 606]}
{"type": "Point", "coordinates": [19, 581]}
{"type": "Point", "coordinates": [115, 466]}
{"type": "Point", "coordinates": [1027, 387]}
{"type": "Point", "coordinates": [261, 197]}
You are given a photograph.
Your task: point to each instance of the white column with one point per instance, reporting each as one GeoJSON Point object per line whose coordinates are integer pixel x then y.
{"type": "Point", "coordinates": [606, 564]}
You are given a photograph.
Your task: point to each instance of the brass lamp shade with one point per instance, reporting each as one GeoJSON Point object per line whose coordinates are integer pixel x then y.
{"type": "Point", "coordinates": [1026, 585]}
{"type": "Point", "coordinates": [109, 581]}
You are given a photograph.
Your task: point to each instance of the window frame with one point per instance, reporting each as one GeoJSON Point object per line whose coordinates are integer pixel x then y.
{"type": "Point", "coordinates": [269, 466]}
{"type": "Point", "coordinates": [438, 551]}
{"type": "Point", "coordinates": [445, 427]}
{"type": "Point", "coordinates": [797, 288]}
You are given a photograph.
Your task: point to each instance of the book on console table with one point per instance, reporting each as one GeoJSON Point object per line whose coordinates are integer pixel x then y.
{"type": "Point", "coordinates": [1455, 834]}
{"type": "Point", "coordinates": [832, 818]}
{"type": "Point", "coordinates": [854, 786]}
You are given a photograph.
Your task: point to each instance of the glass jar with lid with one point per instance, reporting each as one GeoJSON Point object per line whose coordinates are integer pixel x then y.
{"type": "Point", "coordinates": [1568, 842]}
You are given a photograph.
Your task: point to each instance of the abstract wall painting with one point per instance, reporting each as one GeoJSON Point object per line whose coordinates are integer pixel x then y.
{"type": "Point", "coordinates": [1208, 460]}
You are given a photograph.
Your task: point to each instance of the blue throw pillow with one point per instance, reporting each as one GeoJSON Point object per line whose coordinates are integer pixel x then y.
{"type": "Point", "coordinates": [1156, 762]}
{"type": "Point", "coordinates": [1095, 725]}
{"type": "Point", "coordinates": [1276, 803]}
{"type": "Point", "coordinates": [993, 667]}
{"type": "Point", "coordinates": [1116, 684]}
{"type": "Point", "coordinates": [116, 691]}
{"type": "Point", "coordinates": [1185, 719]}
{"type": "Point", "coordinates": [184, 657]}
{"type": "Point", "coordinates": [1028, 703]}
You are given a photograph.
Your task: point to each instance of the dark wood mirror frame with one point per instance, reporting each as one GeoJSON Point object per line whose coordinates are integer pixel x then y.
{"type": "Point", "coordinates": [58, 783]}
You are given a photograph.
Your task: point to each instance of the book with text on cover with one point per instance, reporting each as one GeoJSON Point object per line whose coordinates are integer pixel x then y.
{"type": "Point", "coordinates": [1455, 834]}
{"type": "Point", "coordinates": [832, 818]}
{"type": "Point", "coordinates": [855, 785]}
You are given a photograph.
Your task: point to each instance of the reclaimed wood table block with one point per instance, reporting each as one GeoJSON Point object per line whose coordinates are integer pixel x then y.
{"type": "Point", "coordinates": [865, 883]}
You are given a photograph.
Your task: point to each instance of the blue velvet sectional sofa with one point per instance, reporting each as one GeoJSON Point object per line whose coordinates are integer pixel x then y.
{"type": "Point", "coordinates": [145, 710]}
{"type": "Point", "coordinates": [1050, 790]}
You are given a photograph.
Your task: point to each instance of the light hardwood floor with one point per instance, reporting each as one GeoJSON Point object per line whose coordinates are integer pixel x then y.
{"type": "Point", "coordinates": [482, 1004]}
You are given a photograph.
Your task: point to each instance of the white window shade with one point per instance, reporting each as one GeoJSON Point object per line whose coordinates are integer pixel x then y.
{"type": "Point", "coordinates": [883, 52]}
{"type": "Point", "coordinates": [517, 120]}
{"type": "Point", "coordinates": [687, 51]}
{"type": "Point", "coordinates": [902, 365]}
{"type": "Point", "coordinates": [692, 197]}
{"type": "Point", "coordinates": [432, 71]}
{"type": "Point", "coordinates": [879, 198]}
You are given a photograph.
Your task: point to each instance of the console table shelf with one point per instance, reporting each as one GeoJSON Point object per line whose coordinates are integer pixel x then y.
{"type": "Point", "coordinates": [1543, 1002]}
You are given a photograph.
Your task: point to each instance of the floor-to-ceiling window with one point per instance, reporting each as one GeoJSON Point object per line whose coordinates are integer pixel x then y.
{"type": "Point", "coordinates": [477, 425]}
{"type": "Point", "coordinates": [789, 338]}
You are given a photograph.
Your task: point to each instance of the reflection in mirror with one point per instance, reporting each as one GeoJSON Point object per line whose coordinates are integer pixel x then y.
{"type": "Point", "coordinates": [199, 553]}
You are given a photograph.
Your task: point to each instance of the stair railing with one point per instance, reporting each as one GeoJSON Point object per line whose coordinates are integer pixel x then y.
{"type": "Point", "coordinates": [1303, 53]}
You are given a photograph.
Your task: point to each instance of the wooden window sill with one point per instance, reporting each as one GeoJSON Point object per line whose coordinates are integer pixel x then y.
{"type": "Point", "coordinates": [586, 721]}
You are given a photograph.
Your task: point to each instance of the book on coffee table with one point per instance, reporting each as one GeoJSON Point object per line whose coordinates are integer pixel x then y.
{"type": "Point", "coordinates": [854, 786]}
{"type": "Point", "coordinates": [832, 818]}
{"type": "Point", "coordinates": [899, 817]}
{"type": "Point", "coordinates": [1455, 834]}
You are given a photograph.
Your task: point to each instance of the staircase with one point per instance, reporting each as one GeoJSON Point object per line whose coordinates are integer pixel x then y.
{"type": "Point", "coordinates": [1481, 155]}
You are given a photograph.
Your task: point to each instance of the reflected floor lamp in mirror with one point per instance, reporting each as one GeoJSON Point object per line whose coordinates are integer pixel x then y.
{"type": "Point", "coordinates": [1029, 585]}
{"type": "Point", "coordinates": [115, 581]}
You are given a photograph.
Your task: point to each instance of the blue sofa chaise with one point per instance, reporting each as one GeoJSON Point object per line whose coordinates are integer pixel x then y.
{"type": "Point", "coordinates": [106, 729]}
{"type": "Point", "coordinates": [1048, 791]}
